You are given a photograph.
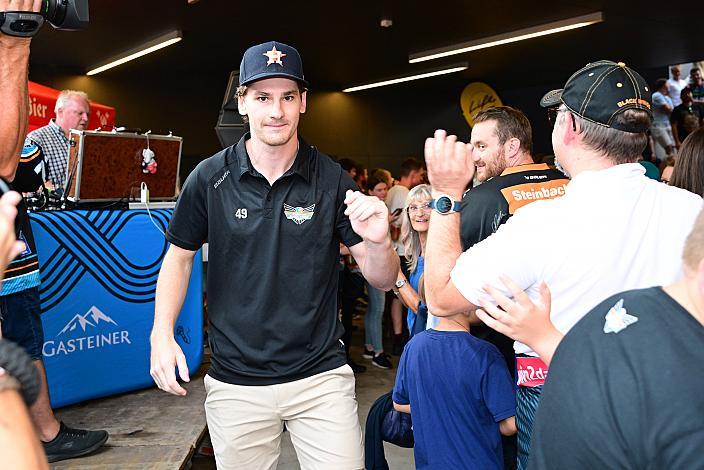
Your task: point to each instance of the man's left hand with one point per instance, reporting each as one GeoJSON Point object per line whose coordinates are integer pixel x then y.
{"type": "Point", "coordinates": [369, 216]}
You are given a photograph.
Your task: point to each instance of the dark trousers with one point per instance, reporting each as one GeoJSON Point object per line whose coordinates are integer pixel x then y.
{"type": "Point", "coordinates": [351, 288]}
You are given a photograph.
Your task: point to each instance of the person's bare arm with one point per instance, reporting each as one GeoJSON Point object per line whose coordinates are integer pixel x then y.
{"type": "Point", "coordinates": [19, 443]}
{"type": "Point", "coordinates": [408, 295]}
{"type": "Point", "coordinates": [507, 427]}
{"type": "Point", "coordinates": [171, 289]}
{"type": "Point", "coordinates": [375, 255]}
{"type": "Point", "coordinates": [14, 63]}
{"type": "Point", "coordinates": [450, 168]}
{"type": "Point", "coordinates": [402, 408]}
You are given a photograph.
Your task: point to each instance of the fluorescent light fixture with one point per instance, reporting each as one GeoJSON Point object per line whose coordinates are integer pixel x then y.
{"type": "Point", "coordinates": [506, 38]}
{"type": "Point", "coordinates": [433, 73]}
{"type": "Point", "coordinates": [161, 42]}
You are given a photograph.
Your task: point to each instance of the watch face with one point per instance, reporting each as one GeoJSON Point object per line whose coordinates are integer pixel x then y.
{"type": "Point", "coordinates": [443, 204]}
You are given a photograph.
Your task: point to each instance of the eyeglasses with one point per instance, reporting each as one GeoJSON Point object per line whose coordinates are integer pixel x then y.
{"type": "Point", "coordinates": [422, 207]}
{"type": "Point", "coordinates": [552, 117]}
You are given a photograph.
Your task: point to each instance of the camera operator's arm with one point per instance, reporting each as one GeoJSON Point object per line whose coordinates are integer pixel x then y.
{"type": "Point", "coordinates": [14, 61]}
{"type": "Point", "coordinates": [19, 444]}
{"type": "Point", "coordinates": [19, 386]}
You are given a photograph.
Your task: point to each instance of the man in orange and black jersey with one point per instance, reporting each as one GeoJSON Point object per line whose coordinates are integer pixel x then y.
{"type": "Point", "coordinates": [502, 141]}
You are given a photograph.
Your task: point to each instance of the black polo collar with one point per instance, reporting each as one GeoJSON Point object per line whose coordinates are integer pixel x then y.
{"type": "Point", "coordinates": [301, 164]}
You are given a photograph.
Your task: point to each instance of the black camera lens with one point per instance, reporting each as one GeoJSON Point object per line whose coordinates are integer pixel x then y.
{"type": "Point", "coordinates": [70, 15]}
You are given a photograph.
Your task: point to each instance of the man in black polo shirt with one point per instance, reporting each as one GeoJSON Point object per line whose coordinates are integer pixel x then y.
{"type": "Point", "coordinates": [503, 143]}
{"type": "Point", "coordinates": [273, 210]}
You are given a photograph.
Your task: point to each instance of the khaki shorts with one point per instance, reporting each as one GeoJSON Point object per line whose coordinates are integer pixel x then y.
{"type": "Point", "coordinates": [320, 413]}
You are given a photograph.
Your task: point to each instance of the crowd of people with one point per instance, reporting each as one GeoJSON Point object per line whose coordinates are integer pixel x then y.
{"type": "Point", "coordinates": [676, 111]}
{"type": "Point", "coordinates": [596, 229]}
{"type": "Point", "coordinates": [545, 317]}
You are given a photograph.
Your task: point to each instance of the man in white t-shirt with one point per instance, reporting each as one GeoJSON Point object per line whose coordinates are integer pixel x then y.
{"type": "Point", "coordinates": [613, 230]}
{"type": "Point", "coordinates": [676, 84]}
{"type": "Point", "coordinates": [410, 176]}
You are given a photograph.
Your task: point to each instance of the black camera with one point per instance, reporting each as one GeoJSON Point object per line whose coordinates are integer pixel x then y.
{"type": "Point", "coordinates": [67, 15]}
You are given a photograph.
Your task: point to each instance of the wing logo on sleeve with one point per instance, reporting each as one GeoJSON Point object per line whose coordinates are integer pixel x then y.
{"type": "Point", "coordinates": [618, 319]}
{"type": "Point", "coordinates": [299, 214]}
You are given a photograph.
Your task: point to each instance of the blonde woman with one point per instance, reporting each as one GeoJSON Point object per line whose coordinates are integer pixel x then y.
{"type": "Point", "coordinates": [414, 233]}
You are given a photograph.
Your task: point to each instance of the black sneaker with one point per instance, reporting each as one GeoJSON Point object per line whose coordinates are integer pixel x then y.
{"type": "Point", "coordinates": [356, 368]}
{"type": "Point", "coordinates": [382, 361]}
{"type": "Point", "coordinates": [70, 443]}
{"type": "Point", "coordinates": [368, 353]}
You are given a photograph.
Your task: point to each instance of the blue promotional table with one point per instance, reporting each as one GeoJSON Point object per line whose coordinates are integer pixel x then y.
{"type": "Point", "coordinates": [98, 281]}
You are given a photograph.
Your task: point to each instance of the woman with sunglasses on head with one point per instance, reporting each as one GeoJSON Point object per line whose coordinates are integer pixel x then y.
{"type": "Point", "coordinates": [414, 233]}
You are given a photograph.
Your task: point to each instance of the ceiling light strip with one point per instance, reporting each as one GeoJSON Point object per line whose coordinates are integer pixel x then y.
{"type": "Point", "coordinates": [406, 79]}
{"type": "Point", "coordinates": [158, 43]}
{"type": "Point", "coordinates": [506, 38]}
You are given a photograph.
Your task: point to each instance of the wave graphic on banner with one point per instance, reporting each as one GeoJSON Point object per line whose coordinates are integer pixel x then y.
{"type": "Point", "coordinates": [86, 245]}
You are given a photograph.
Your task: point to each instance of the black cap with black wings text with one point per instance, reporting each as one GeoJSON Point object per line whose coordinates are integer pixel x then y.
{"type": "Point", "coordinates": [600, 91]}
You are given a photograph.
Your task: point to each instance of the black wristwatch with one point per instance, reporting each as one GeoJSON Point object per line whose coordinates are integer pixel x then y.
{"type": "Point", "coordinates": [445, 205]}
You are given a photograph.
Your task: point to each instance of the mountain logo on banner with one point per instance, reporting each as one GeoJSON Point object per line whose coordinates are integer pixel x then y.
{"type": "Point", "coordinates": [84, 321]}
{"type": "Point", "coordinates": [86, 332]}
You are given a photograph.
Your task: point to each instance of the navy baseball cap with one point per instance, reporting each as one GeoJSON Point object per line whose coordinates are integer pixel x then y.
{"type": "Point", "coordinates": [602, 90]}
{"type": "Point", "coordinates": [269, 60]}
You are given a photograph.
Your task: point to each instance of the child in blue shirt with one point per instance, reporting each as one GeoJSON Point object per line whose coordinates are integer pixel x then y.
{"type": "Point", "coordinates": [461, 397]}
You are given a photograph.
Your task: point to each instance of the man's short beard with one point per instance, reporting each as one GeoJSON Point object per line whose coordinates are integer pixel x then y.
{"type": "Point", "coordinates": [498, 165]}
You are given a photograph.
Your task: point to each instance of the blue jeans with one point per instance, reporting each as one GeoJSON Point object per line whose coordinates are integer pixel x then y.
{"type": "Point", "coordinates": [527, 400]}
{"type": "Point", "coordinates": [373, 318]}
{"type": "Point", "coordinates": [19, 315]}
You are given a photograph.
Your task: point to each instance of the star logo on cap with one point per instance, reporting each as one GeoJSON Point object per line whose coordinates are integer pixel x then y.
{"type": "Point", "coordinates": [274, 56]}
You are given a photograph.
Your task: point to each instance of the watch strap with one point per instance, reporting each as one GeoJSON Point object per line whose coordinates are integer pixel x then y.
{"type": "Point", "coordinates": [456, 205]}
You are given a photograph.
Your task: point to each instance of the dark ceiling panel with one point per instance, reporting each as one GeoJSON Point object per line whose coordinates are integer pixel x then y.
{"type": "Point", "coordinates": [342, 43]}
